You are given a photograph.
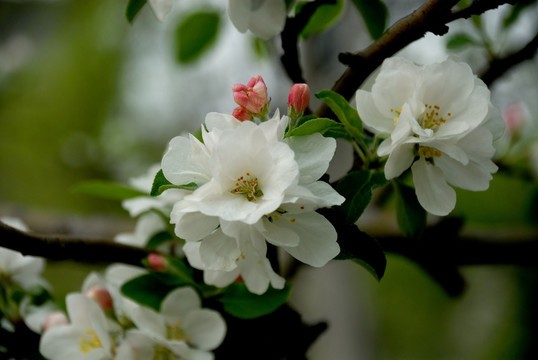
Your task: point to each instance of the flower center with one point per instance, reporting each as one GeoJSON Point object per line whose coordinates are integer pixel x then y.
{"type": "Point", "coordinates": [162, 353]}
{"type": "Point", "coordinates": [431, 118]}
{"type": "Point", "coordinates": [248, 186]}
{"type": "Point", "coordinates": [175, 332]}
{"type": "Point", "coordinates": [429, 153]}
{"type": "Point", "coordinates": [398, 112]}
{"type": "Point", "coordinates": [89, 342]}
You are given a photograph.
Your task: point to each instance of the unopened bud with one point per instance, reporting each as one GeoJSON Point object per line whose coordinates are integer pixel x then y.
{"type": "Point", "coordinates": [516, 115]}
{"type": "Point", "coordinates": [157, 261]}
{"type": "Point", "coordinates": [252, 96]}
{"type": "Point", "coordinates": [101, 295]}
{"type": "Point", "coordinates": [299, 97]}
{"type": "Point", "coordinates": [241, 114]}
{"type": "Point", "coordinates": [55, 318]}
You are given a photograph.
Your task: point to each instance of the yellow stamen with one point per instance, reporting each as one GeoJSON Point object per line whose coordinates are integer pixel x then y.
{"type": "Point", "coordinates": [90, 342]}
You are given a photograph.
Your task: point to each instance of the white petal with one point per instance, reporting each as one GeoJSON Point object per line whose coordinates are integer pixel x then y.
{"type": "Point", "coordinates": [219, 121]}
{"type": "Point", "coordinates": [433, 192]}
{"type": "Point", "coordinates": [149, 321]}
{"type": "Point", "coordinates": [219, 252]}
{"type": "Point", "coordinates": [278, 235]}
{"type": "Point", "coordinates": [193, 226]}
{"type": "Point", "coordinates": [470, 176]}
{"type": "Point", "coordinates": [221, 278]}
{"type": "Point", "coordinates": [178, 303]}
{"type": "Point", "coordinates": [318, 238]}
{"type": "Point", "coordinates": [267, 18]}
{"type": "Point", "coordinates": [205, 328]}
{"type": "Point", "coordinates": [239, 13]}
{"type": "Point", "coordinates": [313, 154]}
{"type": "Point", "coordinates": [186, 161]}
{"type": "Point", "coordinates": [399, 160]}
{"type": "Point", "coordinates": [370, 115]}
{"type": "Point", "coordinates": [275, 127]}
{"type": "Point", "coordinates": [192, 252]}
{"type": "Point", "coordinates": [63, 343]}
{"type": "Point", "coordinates": [135, 346]}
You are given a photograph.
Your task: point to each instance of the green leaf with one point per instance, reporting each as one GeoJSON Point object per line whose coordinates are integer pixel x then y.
{"type": "Point", "coordinates": [324, 16]}
{"type": "Point", "coordinates": [357, 188]}
{"type": "Point", "coordinates": [517, 9]}
{"type": "Point", "coordinates": [459, 40]}
{"type": "Point", "coordinates": [195, 34]}
{"type": "Point", "coordinates": [133, 7]}
{"type": "Point", "coordinates": [318, 125]}
{"type": "Point", "coordinates": [158, 239]}
{"type": "Point", "coordinates": [343, 111]}
{"type": "Point", "coordinates": [107, 190]}
{"type": "Point", "coordinates": [410, 214]}
{"type": "Point", "coordinates": [375, 14]}
{"type": "Point", "coordinates": [146, 290]}
{"type": "Point", "coordinates": [161, 183]}
{"type": "Point", "coordinates": [243, 304]}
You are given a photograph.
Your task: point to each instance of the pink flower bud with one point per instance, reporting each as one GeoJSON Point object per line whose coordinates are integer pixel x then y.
{"type": "Point", "coordinates": [241, 114]}
{"type": "Point", "coordinates": [101, 295]}
{"type": "Point", "coordinates": [516, 115]}
{"type": "Point", "coordinates": [55, 318]}
{"type": "Point", "coordinates": [157, 261]}
{"type": "Point", "coordinates": [299, 97]}
{"type": "Point", "coordinates": [253, 96]}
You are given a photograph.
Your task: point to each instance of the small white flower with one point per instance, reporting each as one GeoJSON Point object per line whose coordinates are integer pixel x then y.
{"type": "Point", "coordinates": [181, 327]}
{"type": "Point", "coordinates": [254, 186]}
{"type": "Point", "coordinates": [87, 337]}
{"type": "Point", "coordinates": [265, 18]}
{"type": "Point", "coordinates": [441, 124]}
{"type": "Point", "coordinates": [24, 271]}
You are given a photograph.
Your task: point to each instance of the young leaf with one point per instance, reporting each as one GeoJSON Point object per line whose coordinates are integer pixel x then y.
{"type": "Point", "coordinates": [146, 290]}
{"type": "Point", "coordinates": [459, 40]}
{"type": "Point", "coordinates": [357, 188]}
{"type": "Point", "coordinates": [107, 190]}
{"type": "Point", "coordinates": [161, 183]}
{"type": "Point", "coordinates": [324, 16]}
{"type": "Point", "coordinates": [243, 304]}
{"type": "Point", "coordinates": [133, 7]}
{"type": "Point", "coordinates": [343, 111]}
{"type": "Point", "coordinates": [158, 239]}
{"type": "Point", "coordinates": [375, 14]}
{"type": "Point", "coordinates": [195, 34]}
{"type": "Point", "coordinates": [410, 215]}
{"type": "Point", "coordinates": [321, 125]}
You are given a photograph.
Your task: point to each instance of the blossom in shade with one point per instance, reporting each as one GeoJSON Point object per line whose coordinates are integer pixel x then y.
{"type": "Point", "coordinates": [441, 125]}
{"type": "Point", "coordinates": [264, 18]}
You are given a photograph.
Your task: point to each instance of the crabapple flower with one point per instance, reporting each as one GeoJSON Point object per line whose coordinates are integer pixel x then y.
{"type": "Point", "coordinates": [253, 186]}
{"type": "Point", "coordinates": [441, 124]}
{"type": "Point", "coordinates": [181, 327]}
{"type": "Point", "coordinates": [264, 18]}
{"type": "Point", "coordinates": [24, 271]}
{"type": "Point", "coordinates": [87, 336]}
{"type": "Point", "coordinates": [253, 96]}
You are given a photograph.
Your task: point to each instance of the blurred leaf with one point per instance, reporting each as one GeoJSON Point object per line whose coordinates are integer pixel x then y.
{"type": "Point", "coordinates": [145, 290]}
{"type": "Point", "coordinates": [357, 188]}
{"type": "Point", "coordinates": [261, 48]}
{"type": "Point", "coordinates": [107, 190]}
{"type": "Point", "coordinates": [343, 111]}
{"type": "Point", "coordinates": [362, 249]}
{"type": "Point", "coordinates": [324, 16]}
{"type": "Point", "coordinates": [243, 304]}
{"type": "Point", "coordinates": [316, 125]}
{"type": "Point", "coordinates": [159, 239]}
{"type": "Point", "coordinates": [161, 183]}
{"type": "Point", "coordinates": [410, 215]}
{"type": "Point", "coordinates": [133, 7]}
{"type": "Point", "coordinates": [195, 34]}
{"type": "Point", "coordinates": [517, 9]}
{"type": "Point", "coordinates": [375, 14]}
{"type": "Point", "coordinates": [459, 40]}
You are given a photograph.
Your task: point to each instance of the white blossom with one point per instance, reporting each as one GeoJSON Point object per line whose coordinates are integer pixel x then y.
{"type": "Point", "coordinates": [254, 186]}
{"type": "Point", "coordinates": [264, 18]}
{"type": "Point", "coordinates": [441, 124]}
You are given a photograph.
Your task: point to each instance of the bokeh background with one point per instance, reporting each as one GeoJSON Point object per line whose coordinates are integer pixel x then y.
{"type": "Point", "coordinates": [85, 95]}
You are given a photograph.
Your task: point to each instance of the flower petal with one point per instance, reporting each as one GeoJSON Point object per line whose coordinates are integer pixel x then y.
{"type": "Point", "coordinates": [205, 328]}
{"type": "Point", "coordinates": [186, 161]}
{"type": "Point", "coordinates": [219, 252]}
{"type": "Point", "coordinates": [178, 304]}
{"type": "Point", "coordinates": [313, 154]}
{"type": "Point", "coordinates": [433, 192]}
{"type": "Point", "coordinates": [400, 159]}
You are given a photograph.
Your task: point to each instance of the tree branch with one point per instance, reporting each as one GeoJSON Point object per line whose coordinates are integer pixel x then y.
{"type": "Point", "coordinates": [68, 248]}
{"type": "Point", "coordinates": [432, 16]}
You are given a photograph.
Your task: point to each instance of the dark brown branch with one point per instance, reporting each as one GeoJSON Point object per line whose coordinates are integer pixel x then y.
{"type": "Point", "coordinates": [499, 66]}
{"type": "Point", "coordinates": [67, 248]}
{"type": "Point", "coordinates": [430, 17]}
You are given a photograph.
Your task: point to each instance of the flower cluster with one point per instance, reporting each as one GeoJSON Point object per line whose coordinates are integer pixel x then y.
{"type": "Point", "coordinates": [101, 324]}
{"type": "Point", "coordinates": [441, 124]}
{"type": "Point", "coordinates": [252, 186]}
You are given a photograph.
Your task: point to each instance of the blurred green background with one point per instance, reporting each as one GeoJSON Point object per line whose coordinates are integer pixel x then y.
{"type": "Point", "coordinates": [86, 95]}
